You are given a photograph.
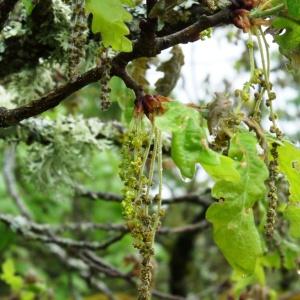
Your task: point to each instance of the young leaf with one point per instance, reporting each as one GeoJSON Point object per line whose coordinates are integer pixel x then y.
{"type": "Point", "coordinates": [27, 295]}
{"type": "Point", "coordinates": [109, 17]}
{"type": "Point", "coordinates": [241, 282]}
{"type": "Point", "coordinates": [291, 254]}
{"type": "Point", "coordinates": [234, 227]}
{"type": "Point", "coordinates": [289, 165]}
{"type": "Point", "coordinates": [29, 6]}
{"type": "Point", "coordinates": [189, 143]}
{"type": "Point", "coordinates": [8, 276]}
{"type": "Point", "coordinates": [224, 170]}
{"type": "Point", "coordinates": [292, 214]}
{"type": "Point", "coordinates": [176, 117]}
{"type": "Point", "coordinates": [189, 147]}
{"type": "Point", "coordinates": [289, 41]}
{"type": "Point", "coordinates": [294, 8]}
{"type": "Point", "coordinates": [120, 93]}
{"type": "Point", "coordinates": [128, 2]}
{"type": "Point", "coordinates": [236, 235]}
{"type": "Point", "coordinates": [251, 167]}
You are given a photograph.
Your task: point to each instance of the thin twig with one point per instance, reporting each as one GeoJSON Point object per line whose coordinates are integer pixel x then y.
{"type": "Point", "coordinates": [97, 263]}
{"type": "Point", "coordinates": [201, 200]}
{"type": "Point", "coordinates": [9, 177]}
{"type": "Point", "coordinates": [41, 232]}
{"type": "Point", "coordinates": [33, 232]}
{"type": "Point", "coordinates": [184, 229]}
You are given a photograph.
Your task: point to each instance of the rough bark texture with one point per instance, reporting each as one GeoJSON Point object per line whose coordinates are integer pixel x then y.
{"type": "Point", "coordinates": [147, 46]}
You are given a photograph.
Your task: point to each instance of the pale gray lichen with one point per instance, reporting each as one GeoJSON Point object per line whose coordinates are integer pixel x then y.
{"type": "Point", "coordinates": [63, 150]}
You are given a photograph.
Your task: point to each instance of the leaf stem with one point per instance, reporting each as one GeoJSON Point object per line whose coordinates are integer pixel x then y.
{"type": "Point", "coordinates": [152, 163]}
{"type": "Point", "coordinates": [265, 69]}
{"type": "Point", "coordinates": [160, 178]}
{"type": "Point", "coordinates": [257, 13]}
{"type": "Point", "coordinates": [251, 55]}
{"type": "Point", "coordinates": [146, 154]}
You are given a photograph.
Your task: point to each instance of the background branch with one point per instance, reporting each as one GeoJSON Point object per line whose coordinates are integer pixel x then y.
{"type": "Point", "coordinates": [191, 33]}
{"type": "Point", "coordinates": [9, 117]}
{"type": "Point", "coordinates": [26, 228]}
{"type": "Point", "coordinates": [9, 177]}
{"type": "Point", "coordinates": [202, 200]}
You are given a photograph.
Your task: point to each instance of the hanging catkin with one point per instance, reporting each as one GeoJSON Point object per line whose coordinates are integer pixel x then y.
{"type": "Point", "coordinates": [78, 36]}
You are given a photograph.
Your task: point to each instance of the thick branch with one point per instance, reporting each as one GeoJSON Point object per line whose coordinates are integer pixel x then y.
{"type": "Point", "coordinates": [9, 117]}
{"type": "Point", "coordinates": [191, 33]}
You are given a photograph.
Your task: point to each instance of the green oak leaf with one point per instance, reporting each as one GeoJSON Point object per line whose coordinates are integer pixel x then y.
{"type": "Point", "coordinates": [289, 41]}
{"type": "Point", "coordinates": [189, 147]}
{"type": "Point", "coordinates": [120, 93]}
{"type": "Point", "coordinates": [252, 169]}
{"type": "Point", "coordinates": [236, 235]}
{"type": "Point", "coordinates": [123, 96]}
{"type": "Point", "coordinates": [176, 117]}
{"type": "Point", "coordinates": [109, 17]}
{"type": "Point", "coordinates": [241, 282]}
{"type": "Point", "coordinates": [189, 143]}
{"type": "Point", "coordinates": [8, 276]}
{"type": "Point", "coordinates": [225, 169]}
{"type": "Point", "coordinates": [294, 8]}
{"type": "Point", "coordinates": [292, 214]}
{"type": "Point", "coordinates": [128, 2]}
{"type": "Point", "coordinates": [27, 295]}
{"type": "Point", "coordinates": [232, 217]}
{"type": "Point", "coordinates": [291, 253]}
{"type": "Point", "coordinates": [289, 165]}
{"type": "Point", "coordinates": [29, 6]}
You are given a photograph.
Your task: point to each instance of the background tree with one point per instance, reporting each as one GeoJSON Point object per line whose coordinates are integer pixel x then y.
{"type": "Point", "coordinates": [111, 189]}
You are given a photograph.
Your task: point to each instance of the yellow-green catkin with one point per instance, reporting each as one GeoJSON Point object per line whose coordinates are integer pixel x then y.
{"type": "Point", "coordinates": [263, 46]}
{"type": "Point", "coordinates": [78, 36]}
{"type": "Point", "coordinates": [142, 150]}
{"type": "Point", "coordinates": [272, 195]}
{"type": "Point", "coordinates": [104, 61]}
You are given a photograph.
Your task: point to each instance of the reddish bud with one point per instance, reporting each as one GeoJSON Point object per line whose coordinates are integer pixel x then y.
{"type": "Point", "coordinates": [150, 105]}
{"type": "Point", "coordinates": [241, 19]}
